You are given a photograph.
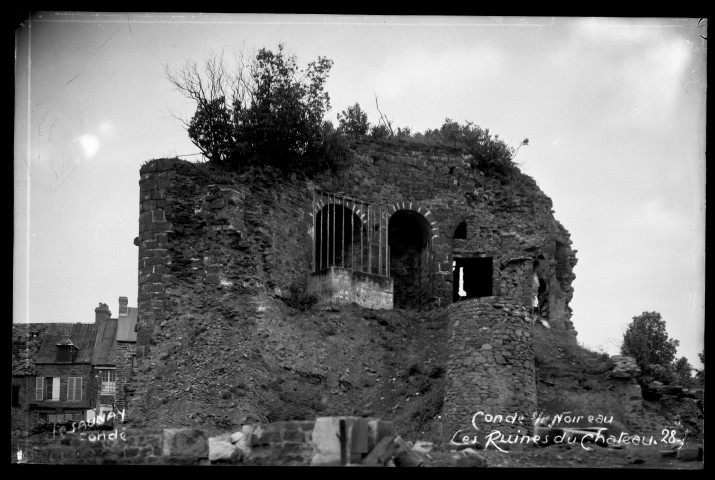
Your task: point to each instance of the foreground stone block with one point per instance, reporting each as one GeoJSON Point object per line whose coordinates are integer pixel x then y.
{"type": "Point", "coordinates": [326, 440]}
{"type": "Point", "coordinates": [470, 458]}
{"type": "Point", "coordinates": [185, 442]}
{"type": "Point", "coordinates": [423, 446]}
{"type": "Point", "coordinates": [242, 439]}
{"type": "Point", "coordinates": [382, 453]}
{"type": "Point", "coordinates": [223, 451]}
{"type": "Point", "coordinates": [690, 454]}
{"type": "Point", "coordinates": [376, 431]}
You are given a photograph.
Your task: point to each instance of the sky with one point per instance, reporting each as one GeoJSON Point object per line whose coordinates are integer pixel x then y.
{"type": "Point", "coordinates": [614, 110]}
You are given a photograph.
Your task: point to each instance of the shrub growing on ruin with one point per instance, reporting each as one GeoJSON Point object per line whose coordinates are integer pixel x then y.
{"type": "Point", "coordinates": [266, 111]}
{"type": "Point", "coordinates": [488, 153]}
{"type": "Point", "coordinates": [379, 132]}
{"type": "Point", "coordinates": [353, 122]}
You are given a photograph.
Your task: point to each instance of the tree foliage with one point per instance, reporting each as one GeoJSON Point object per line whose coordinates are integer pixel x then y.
{"type": "Point", "coordinates": [353, 122]}
{"type": "Point", "coordinates": [267, 110]}
{"type": "Point", "coordinates": [683, 372]}
{"type": "Point", "coordinates": [647, 341]}
{"type": "Point", "coordinates": [700, 372]}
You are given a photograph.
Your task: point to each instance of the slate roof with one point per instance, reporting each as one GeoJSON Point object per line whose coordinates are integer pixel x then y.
{"type": "Point", "coordinates": [127, 324]}
{"type": "Point", "coordinates": [82, 335]}
{"type": "Point", "coordinates": [105, 351]}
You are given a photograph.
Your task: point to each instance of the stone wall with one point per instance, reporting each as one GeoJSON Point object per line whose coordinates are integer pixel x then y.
{"type": "Point", "coordinates": [490, 367]}
{"type": "Point", "coordinates": [271, 224]}
{"type": "Point", "coordinates": [125, 447]}
{"type": "Point", "coordinates": [293, 443]}
{"type": "Point", "coordinates": [19, 419]}
{"type": "Point", "coordinates": [218, 246]}
{"type": "Point", "coordinates": [154, 259]}
{"type": "Point", "coordinates": [124, 361]}
{"type": "Point", "coordinates": [337, 285]}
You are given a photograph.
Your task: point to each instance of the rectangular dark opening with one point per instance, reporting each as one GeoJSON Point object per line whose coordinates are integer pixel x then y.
{"type": "Point", "coordinates": [472, 278]}
{"type": "Point", "coordinates": [64, 353]}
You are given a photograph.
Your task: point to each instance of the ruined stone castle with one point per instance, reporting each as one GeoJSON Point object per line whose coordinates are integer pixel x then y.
{"type": "Point", "coordinates": [407, 227]}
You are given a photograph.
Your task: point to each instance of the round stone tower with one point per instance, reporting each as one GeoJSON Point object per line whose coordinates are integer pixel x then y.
{"type": "Point", "coordinates": [491, 380]}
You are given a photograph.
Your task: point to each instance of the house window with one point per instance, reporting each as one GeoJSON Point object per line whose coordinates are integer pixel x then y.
{"type": "Point", "coordinates": [39, 388]}
{"type": "Point", "coordinates": [74, 389]}
{"type": "Point", "coordinates": [47, 388]}
{"type": "Point", "coordinates": [64, 353]}
{"type": "Point", "coordinates": [109, 382]}
{"type": "Point", "coordinates": [15, 395]}
{"type": "Point", "coordinates": [52, 388]}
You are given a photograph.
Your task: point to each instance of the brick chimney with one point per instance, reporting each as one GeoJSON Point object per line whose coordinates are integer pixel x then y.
{"type": "Point", "coordinates": [123, 306]}
{"type": "Point", "coordinates": [101, 313]}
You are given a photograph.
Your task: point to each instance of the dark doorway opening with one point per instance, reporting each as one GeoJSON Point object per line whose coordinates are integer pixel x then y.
{"type": "Point", "coordinates": [409, 236]}
{"type": "Point", "coordinates": [472, 278]}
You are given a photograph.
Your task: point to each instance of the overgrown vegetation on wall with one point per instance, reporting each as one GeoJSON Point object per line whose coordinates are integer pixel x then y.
{"type": "Point", "coordinates": [270, 111]}
{"type": "Point", "coordinates": [265, 111]}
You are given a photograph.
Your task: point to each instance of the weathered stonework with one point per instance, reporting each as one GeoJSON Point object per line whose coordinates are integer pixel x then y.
{"type": "Point", "coordinates": [503, 223]}
{"type": "Point", "coordinates": [340, 286]}
{"type": "Point", "coordinates": [154, 261]}
{"type": "Point", "coordinates": [222, 246]}
{"type": "Point", "coordinates": [490, 367]}
{"type": "Point", "coordinates": [124, 359]}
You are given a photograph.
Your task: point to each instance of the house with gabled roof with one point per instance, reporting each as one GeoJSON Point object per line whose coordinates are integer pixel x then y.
{"type": "Point", "coordinates": [79, 371]}
{"type": "Point", "coordinates": [63, 381]}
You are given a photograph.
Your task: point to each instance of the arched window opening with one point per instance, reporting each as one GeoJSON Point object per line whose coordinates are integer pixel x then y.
{"type": "Point", "coordinates": [460, 233]}
{"type": "Point", "coordinates": [348, 233]}
{"type": "Point", "coordinates": [337, 238]}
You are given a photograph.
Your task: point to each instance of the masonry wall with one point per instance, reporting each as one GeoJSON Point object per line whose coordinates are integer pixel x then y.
{"type": "Point", "coordinates": [341, 286]}
{"type": "Point", "coordinates": [490, 367]}
{"type": "Point", "coordinates": [124, 372]}
{"type": "Point", "coordinates": [19, 418]}
{"type": "Point", "coordinates": [125, 447]}
{"type": "Point", "coordinates": [264, 234]}
{"type": "Point", "coordinates": [269, 225]}
{"type": "Point", "coordinates": [216, 247]}
{"type": "Point", "coordinates": [154, 260]}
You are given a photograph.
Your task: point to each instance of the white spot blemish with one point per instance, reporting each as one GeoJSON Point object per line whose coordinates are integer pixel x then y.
{"type": "Point", "coordinates": [90, 144]}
